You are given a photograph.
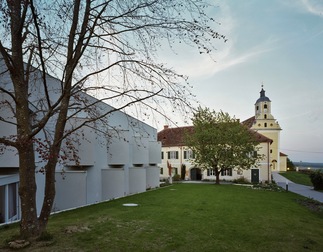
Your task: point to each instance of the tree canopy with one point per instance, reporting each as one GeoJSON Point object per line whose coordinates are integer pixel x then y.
{"type": "Point", "coordinates": [221, 142]}
{"type": "Point", "coordinates": [99, 47]}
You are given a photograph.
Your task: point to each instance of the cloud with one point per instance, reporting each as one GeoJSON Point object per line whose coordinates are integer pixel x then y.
{"type": "Point", "coordinates": [229, 54]}
{"type": "Point", "coordinates": [231, 59]}
{"type": "Point", "coordinates": [227, 57]}
{"type": "Point", "coordinates": [314, 7]}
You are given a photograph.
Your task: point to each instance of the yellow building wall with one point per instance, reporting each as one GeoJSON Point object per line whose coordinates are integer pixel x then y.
{"type": "Point", "coordinates": [283, 163]}
{"type": "Point", "coordinates": [264, 168]}
{"type": "Point", "coordinates": [274, 147]}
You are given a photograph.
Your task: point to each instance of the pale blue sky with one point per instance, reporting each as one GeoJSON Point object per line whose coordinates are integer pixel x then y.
{"type": "Point", "coordinates": [279, 43]}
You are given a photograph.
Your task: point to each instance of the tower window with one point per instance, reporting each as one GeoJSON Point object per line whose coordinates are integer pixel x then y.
{"type": "Point", "coordinates": [265, 116]}
{"type": "Point", "coordinates": [265, 106]}
{"type": "Point", "coordinates": [265, 125]}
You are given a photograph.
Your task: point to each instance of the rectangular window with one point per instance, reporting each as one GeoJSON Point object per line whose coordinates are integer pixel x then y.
{"type": "Point", "coordinates": [252, 154]}
{"type": "Point", "coordinates": [226, 172]}
{"type": "Point", "coordinates": [172, 155]}
{"type": "Point", "coordinates": [161, 170]}
{"type": "Point", "coordinates": [188, 154]}
{"type": "Point", "coordinates": [12, 201]}
{"type": "Point", "coordinates": [162, 155]}
{"type": "Point", "coordinates": [210, 172]}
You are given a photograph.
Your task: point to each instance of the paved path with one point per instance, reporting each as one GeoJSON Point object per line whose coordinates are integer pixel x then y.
{"type": "Point", "coordinates": [306, 191]}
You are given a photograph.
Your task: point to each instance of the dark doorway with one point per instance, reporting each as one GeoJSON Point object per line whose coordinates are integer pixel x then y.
{"type": "Point", "coordinates": [196, 174]}
{"type": "Point", "coordinates": [255, 176]}
{"type": "Point", "coordinates": [183, 171]}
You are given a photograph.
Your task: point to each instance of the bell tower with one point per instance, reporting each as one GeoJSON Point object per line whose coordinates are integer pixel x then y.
{"type": "Point", "coordinates": [266, 124]}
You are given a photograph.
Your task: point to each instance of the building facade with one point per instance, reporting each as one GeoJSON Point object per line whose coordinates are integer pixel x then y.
{"type": "Point", "coordinates": [115, 156]}
{"type": "Point", "coordinates": [180, 158]}
{"type": "Point", "coordinates": [267, 130]}
{"type": "Point", "coordinates": [265, 123]}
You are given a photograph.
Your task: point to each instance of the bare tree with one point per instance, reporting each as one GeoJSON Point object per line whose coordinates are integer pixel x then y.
{"type": "Point", "coordinates": [87, 45]}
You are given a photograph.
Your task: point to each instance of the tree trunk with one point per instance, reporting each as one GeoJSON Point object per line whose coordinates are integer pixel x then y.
{"type": "Point", "coordinates": [29, 225]}
{"type": "Point", "coordinates": [217, 176]}
{"type": "Point", "coordinates": [49, 195]}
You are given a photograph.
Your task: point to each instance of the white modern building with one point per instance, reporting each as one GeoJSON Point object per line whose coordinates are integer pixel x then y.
{"type": "Point", "coordinates": [103, 160]}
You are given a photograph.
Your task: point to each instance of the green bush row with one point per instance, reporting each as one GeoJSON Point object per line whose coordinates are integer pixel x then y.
{"type": "Point", "coordinates": [317, 179]}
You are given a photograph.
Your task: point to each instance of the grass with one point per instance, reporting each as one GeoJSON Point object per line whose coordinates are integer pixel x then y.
{"type": "Point", "coordinates": [297, 177]}
{"type": "Point", "coordinates": [187, 217]}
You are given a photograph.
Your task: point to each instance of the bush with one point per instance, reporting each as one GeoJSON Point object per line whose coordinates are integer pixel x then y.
{"type": "Point", "coordinates": [317, 179]}
{"type": "Point", "coordinates": [241, 180]}
{"type": "Point", "coordinates": [176, 177]}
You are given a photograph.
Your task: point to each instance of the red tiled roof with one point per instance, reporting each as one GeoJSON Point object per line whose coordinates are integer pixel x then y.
{"type": "Point", "coordinates": [249, 122]}
{"type": "Point", "coordinates": [283, 154]}
{"type": "Point", "coordinates": [175, 136]}
{"type": "Point", "coordinates": [260, 138]}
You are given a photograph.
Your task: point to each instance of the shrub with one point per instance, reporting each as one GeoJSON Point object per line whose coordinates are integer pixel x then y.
{"type": "Point", "coordinates": [241, 180]}
{"type": "Point", "coordinates": [308, 172]}
{"type": "Point", "coordinates": [176, 177]}
{"type": "Point", "coordinates": [317, 179]}
{"type": "Point", "coordinates": [269, 187]}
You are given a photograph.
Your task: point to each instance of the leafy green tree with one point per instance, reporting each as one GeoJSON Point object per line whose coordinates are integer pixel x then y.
{"type": "Point", "coordinates": [290, 165]}
{"type": "Point", "coordinates": [221, 142]}
{"type": "Point", "coordinates": [107, 47]}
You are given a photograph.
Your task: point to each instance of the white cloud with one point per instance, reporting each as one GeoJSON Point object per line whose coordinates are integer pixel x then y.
{"type": "Point", "coordinates": [314, 7]}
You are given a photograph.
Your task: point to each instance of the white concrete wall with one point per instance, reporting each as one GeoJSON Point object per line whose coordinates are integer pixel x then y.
{"type": "Point", "coordinates": [154, 152]}
{"type": "Point", "coordinates": [140, 150]}
{"type": "Point", "coordinates": [137, 180]}
{"type": "Point", "coordinates": [118, 149]}
{"type": "Point", "coordinates": [113, 183]}
{"type": "Point", "coordinates": [80, 145]}
{"type": "Point", "coordinates": [152, 177]}
{"type": "Point", "coordinates": [71, 190]}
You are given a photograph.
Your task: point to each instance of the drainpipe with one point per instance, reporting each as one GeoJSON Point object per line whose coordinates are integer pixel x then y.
{"type": "Point", "coordinates": [181, 160]}
{"type": "Point", "coordinates": [268, 161]}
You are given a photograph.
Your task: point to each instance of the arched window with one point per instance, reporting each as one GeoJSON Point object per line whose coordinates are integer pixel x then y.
{"type": "Point", "coordinates": [265, 116]}
{"type": "Point", "coordinates": [265, 125]}
{"type": "Point", "coordinates": [265, 106]}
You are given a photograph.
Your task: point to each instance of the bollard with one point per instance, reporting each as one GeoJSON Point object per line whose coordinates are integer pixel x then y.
{"type": "Point", "coordinates": [286, 185]}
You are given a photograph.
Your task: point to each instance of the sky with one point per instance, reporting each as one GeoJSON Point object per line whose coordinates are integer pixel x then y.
{"type": "Point", "coordinates": [277, 44]}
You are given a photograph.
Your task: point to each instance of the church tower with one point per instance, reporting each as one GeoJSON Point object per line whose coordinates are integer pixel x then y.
{"type": "Point", "coordinates": [265, 124]}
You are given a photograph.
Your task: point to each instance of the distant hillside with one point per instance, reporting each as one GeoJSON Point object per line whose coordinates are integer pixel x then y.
{"type": "Point", "coordinates": [308, 164]}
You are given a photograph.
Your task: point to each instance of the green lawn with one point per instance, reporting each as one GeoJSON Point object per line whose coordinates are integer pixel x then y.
{"type": "Point", "coordinates": [297, 177]}
{"type": "Point", "coordinates": [188, 217]}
